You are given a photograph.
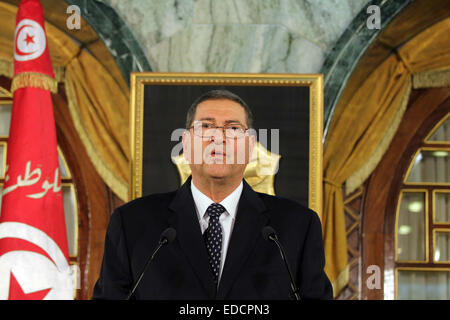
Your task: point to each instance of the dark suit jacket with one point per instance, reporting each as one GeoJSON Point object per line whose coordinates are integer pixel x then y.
{"type": "Point", "coordinates": [253, 267]}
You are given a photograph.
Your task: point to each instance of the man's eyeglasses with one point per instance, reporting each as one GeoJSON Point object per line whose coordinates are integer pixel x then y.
{"type": "Point", "coordinates": [208, 130]}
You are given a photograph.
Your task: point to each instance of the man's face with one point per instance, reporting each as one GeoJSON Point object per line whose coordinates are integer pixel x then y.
{"type": "Point", "coordinates": [210, 152]}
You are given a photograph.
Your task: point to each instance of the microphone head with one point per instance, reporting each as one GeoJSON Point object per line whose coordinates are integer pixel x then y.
{"type": "Point", "coordinates": [268, 231]}
{"type": "Point", "coordinates": [168, 235]}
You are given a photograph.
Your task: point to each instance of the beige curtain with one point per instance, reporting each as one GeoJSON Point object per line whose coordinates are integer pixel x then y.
{"type": "Point", "coordinates": [414, 285]}
{"type": "Point", "coordinates": [361, 131]}
{"type": "Point", "coordinates": [98, 97]}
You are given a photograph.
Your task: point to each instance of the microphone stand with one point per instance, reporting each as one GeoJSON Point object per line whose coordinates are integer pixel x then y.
{"type": "Point", "coordinates": [163, 242]}
{"type": "Point", "coordinates": [295, 290]}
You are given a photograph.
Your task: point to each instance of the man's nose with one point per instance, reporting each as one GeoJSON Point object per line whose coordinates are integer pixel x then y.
{"type": "Point", "coordinates": [219, 135]}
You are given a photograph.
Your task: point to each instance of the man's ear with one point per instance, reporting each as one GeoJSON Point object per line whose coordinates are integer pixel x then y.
{"type": "Point", "coordinates": [250, 147]}
{"type": "Point", "coordinates": [251, 144]}
{"type": "Point", "coordinates": [186, 140]}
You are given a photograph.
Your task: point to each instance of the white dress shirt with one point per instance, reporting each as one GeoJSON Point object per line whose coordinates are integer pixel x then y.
{"type": "Point", "coordinates": [230, 203]}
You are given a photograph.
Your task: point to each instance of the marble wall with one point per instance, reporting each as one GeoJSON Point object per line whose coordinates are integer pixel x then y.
{"type": "Point", "coordinates": [262, 36]}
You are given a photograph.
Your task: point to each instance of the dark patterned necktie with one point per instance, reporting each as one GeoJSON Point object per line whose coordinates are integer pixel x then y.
{"type": "Point", "coordinates": [213, 238]}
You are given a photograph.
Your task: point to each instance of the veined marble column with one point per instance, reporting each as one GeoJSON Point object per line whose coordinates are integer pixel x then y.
{"type": "Point", "coordinates": [262, 36]}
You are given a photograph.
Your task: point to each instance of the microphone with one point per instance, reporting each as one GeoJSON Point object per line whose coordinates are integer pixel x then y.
{"type": "Point", "coordinates": [269, 234]}
{"type": "Point", "coordinates": [167, 236]}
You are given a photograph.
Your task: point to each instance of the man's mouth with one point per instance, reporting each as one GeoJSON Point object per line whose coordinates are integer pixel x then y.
{"type": "Point", "coordinates": [218, 154]}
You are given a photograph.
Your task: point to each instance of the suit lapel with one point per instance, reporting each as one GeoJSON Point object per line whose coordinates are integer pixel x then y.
{"type": "Point", "coordinates": [189, 236]}
{"type": "Point", "coordinates": [247, 228]}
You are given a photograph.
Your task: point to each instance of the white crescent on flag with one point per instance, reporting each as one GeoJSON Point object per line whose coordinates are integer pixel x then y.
{"type": "Point", "coordinates": [30, 269]}
{"type": "Point", "coordinates": [29, 40]}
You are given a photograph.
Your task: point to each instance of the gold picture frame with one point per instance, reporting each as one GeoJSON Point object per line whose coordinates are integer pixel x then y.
{"type": "Point", "coordinates": [312, 83]}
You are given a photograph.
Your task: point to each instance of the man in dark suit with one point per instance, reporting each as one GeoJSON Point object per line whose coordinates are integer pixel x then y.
{"type": "Point", "coordinates": [219, 251]}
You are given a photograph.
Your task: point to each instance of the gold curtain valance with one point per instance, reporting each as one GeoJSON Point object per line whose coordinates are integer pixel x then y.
{"type": "Point", "coordinates": [432, 79]}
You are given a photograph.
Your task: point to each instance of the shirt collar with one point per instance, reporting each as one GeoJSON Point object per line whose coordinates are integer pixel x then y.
{"type": "Point", "coordinates": [202, 201]}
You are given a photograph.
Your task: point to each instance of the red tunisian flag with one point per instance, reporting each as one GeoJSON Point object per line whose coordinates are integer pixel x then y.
{"type": "Point", "coordinates": [34, 260]}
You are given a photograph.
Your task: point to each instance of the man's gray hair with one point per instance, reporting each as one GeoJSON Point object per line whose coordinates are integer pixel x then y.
{"type": "Point", "coordinates": [218, 94]}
